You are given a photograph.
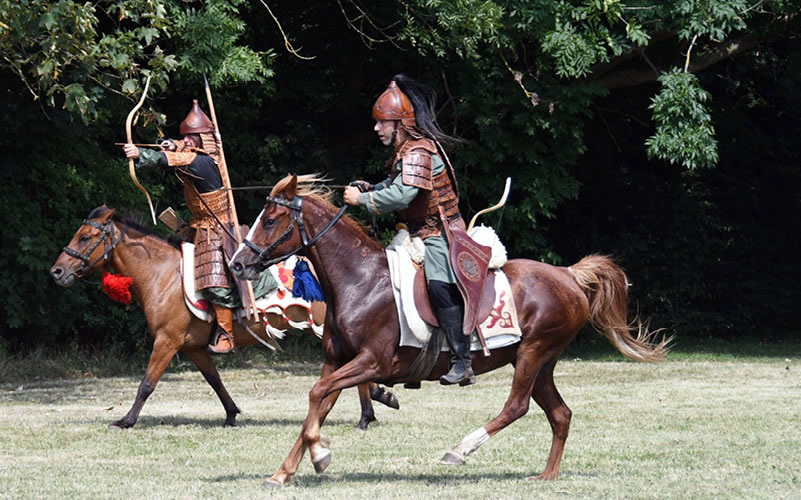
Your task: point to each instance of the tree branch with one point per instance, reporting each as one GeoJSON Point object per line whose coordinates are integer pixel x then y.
{"type": "Point", "coordinates": [638, 76]}
{"type": "Point", "coordinates": [287, 43]}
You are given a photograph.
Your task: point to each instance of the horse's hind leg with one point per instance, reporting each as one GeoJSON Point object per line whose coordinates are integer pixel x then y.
{"type": "Point", "coordinates": [559, 415]}
{"type": "Point", "coordinates": [202, 360]}
{"type": "Point", "coordinates": [527, 366]}
{"type": "Point", "coordinates": [163, 351]}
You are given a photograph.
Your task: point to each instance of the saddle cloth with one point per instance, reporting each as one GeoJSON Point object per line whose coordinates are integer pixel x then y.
{"type": "Point", "coordinates": [500, 329]}
{"type": "Point", "coordinates": [275, 302]}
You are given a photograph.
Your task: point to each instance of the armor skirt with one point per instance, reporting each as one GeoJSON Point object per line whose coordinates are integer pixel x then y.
{"type": "Point", "coordinates": [210, 264]}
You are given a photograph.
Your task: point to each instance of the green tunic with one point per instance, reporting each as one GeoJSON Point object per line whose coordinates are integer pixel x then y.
{"type": "Point", "coordinates": [391, 196]}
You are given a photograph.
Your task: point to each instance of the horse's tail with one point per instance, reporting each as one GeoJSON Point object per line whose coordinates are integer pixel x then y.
{"type": "Point", "coordinates": [606, 287]}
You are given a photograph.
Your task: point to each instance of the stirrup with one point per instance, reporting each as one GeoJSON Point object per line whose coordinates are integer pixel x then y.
{"type": "Point", "coordinates": [220, 334]}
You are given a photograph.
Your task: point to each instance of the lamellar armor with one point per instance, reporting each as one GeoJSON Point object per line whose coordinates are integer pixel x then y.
{"type": "Point", "coordinates": [423, 214]}
{"type": "Point", "coordinates": [209, 210]}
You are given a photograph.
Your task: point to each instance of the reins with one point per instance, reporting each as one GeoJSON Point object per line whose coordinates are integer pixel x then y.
{"type": "Point", "coordinates": [254, 188]}
{"type": "Point", "coordinates": [106, 237]}
{"type": "Point", "coordinates": [296, 205]}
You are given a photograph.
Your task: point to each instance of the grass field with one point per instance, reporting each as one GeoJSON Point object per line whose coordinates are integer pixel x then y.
{"type": "Point", "coordinates": [694, 427]}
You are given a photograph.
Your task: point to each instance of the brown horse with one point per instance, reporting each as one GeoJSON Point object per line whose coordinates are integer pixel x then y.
{"type": "Point", "coordinates": [361, 333]}
{"type": "Point", "coordinates": [106, 238]}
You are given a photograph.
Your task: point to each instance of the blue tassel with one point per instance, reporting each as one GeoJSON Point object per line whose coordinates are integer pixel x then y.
{"type": "Point", "coordinates": [306, 285]}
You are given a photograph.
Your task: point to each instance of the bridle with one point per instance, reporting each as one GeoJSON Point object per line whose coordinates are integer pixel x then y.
{"type": "Point", "coordinates": [296, 205]}
{"type": "Point", "coordinates": [106, 237]}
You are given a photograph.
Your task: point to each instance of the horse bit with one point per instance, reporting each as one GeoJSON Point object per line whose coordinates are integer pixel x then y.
{"type": "Point", "coordinates": [106, 236]}
{"type": "Point", "coordinates": [296, 205]}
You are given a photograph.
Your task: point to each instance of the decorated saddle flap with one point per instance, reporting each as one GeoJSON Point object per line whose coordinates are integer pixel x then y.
{"type": "Point", "coordinates": [499, 326]}
{"type": "Point", "coordinates": [273, 293]}
{"type": "Point", "coordinates": [423, 303]}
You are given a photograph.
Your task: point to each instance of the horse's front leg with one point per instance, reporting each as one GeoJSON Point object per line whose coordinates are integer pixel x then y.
{"type": "Point", "coordinates": [368, 393]}
{"type": "Point", "coordinates": [163, 351]}
{"type": "Point", "coordinates": [292, 461]}
{"type": "Point", "coordinates": [368, 414]}
{"type": "Point", "coordinates": [321, 400]}
{"type": "Point", "coordinates": [359, 370]}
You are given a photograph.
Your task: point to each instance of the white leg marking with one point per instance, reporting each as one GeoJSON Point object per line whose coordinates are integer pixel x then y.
{"type": "Point", "coordinates": [472, 441]}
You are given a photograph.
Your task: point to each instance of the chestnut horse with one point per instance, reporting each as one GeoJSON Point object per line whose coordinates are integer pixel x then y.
{"type": "Point", "coordinates": [361, 332]}
{"type": "Point", "coordinates": [106, 238]}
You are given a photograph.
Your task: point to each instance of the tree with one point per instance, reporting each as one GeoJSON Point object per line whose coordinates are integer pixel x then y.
{"type": "Point", "coordinates": [609, 116]}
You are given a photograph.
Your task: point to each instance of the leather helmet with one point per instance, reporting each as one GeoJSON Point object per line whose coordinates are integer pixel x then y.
{"type": "Point", "coordinates": [196, 122]}
{"type": "Point", "coordinates": [394, 105]}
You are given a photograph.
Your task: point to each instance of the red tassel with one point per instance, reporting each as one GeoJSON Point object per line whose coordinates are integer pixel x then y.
{"type": "Point", "coordinates": [117, 287]}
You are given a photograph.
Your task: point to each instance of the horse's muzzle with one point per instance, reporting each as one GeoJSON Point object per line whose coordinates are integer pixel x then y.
{"type": "Point", "coordinates": [61, 277]}
{"type": "Point", "coordinates": [243, 272]}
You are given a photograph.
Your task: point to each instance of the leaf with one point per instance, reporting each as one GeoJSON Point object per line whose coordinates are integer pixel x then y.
{"type": "Point", "coordinates": [129, 86]}
{"type": "Point", "coordinates": [45, 68]}
{"type": "Point", "coordinates": [48, 20]}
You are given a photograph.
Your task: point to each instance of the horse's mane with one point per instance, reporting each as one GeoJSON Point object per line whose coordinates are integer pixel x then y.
{"type": "Point", "coordinates": [308, 185]}
{"type": "Point", "coordinates": [313, 186]}
{"type": "Point", "coordinates": [134, 221]}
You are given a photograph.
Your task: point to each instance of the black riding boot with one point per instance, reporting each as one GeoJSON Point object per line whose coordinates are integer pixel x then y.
{"type": "Point", "coordinates": [450, 320]}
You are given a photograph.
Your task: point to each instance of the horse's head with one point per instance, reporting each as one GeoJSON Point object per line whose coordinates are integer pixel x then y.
{"type": "Point", "coordinates": [89, 247]}
{"type": "Point", "coordinates": [281, 231]}
{"type": "Point", "coordinates": [273, 234]}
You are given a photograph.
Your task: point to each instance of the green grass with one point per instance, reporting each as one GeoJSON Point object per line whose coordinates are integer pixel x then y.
{"type": "Point", "coordinates": [710, 427]}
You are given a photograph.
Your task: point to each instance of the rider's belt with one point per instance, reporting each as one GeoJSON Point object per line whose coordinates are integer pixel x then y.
{"type": "Point", "coordinates": [431, 226]}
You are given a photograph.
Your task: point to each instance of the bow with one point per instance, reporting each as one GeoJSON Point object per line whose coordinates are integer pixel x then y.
{"type": "Point", "coordinates": [495, 207]}
{"type": "Point", "coordinates": [129, 135]}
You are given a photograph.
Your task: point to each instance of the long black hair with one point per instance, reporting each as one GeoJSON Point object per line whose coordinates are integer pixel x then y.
{"type": "Point", "coordinates": [424, 101]}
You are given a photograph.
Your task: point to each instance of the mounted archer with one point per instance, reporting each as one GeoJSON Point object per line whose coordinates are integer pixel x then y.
{"type": "Point", "coordinates": [196, 160]}
{"type": "Point", "coordinates": [422, 188]}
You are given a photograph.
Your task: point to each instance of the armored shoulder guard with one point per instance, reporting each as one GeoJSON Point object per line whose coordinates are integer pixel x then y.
{"type": "Point", "coordinates": [180, 159]}
{"type": "Point", "coordinates": [417, 165]}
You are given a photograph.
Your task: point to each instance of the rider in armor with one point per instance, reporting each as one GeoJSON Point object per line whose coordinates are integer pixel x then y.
{"type": "Point", "coordinates": [195, 162]}
{"type": "Point", "coordinates": [422, 188]}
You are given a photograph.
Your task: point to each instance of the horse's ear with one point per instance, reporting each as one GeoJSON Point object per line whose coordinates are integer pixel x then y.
{"type": "Point", "coordinates": [105, 216]}
{"type": "Point", "coordinates": [291, 189]}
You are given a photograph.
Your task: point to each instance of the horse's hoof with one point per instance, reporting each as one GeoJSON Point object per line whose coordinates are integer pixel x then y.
{"type": "Point", "coordinates": [543, 477]}
{"type": "Point", "coordinates": [392, 401]}
{"type": "Point", "coordinates": [119, 425]}
{"type": "Point", "coordinates": [452, 458]}
{"type": "Point", "coordinates": [230, 422]}
{"type": "Point", "coordinates": [363, 423]}
{"type": "Point", "coordinates": [322, 463]}
{"type": "Point", "coordinates": [272, 483]}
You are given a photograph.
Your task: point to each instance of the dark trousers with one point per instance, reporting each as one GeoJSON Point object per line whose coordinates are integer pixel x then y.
{"type": "Point", "coordinates": [443, 295]}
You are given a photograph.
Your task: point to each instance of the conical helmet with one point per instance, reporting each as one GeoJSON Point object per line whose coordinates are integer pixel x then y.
{"type": "Point", "coordinates": [196, 122]}
{"type": "Point", "coordinates": [394, 105]}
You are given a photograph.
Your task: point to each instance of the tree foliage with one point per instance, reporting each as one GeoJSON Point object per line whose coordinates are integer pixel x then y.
{"type": "Point", "coordinates": [602, 111]}
{"type": "Point", "coordinates": [684, 131]}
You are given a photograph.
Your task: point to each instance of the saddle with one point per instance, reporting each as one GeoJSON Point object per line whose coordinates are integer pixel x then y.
{"type": "Point", "coordinates": [426, 312]}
